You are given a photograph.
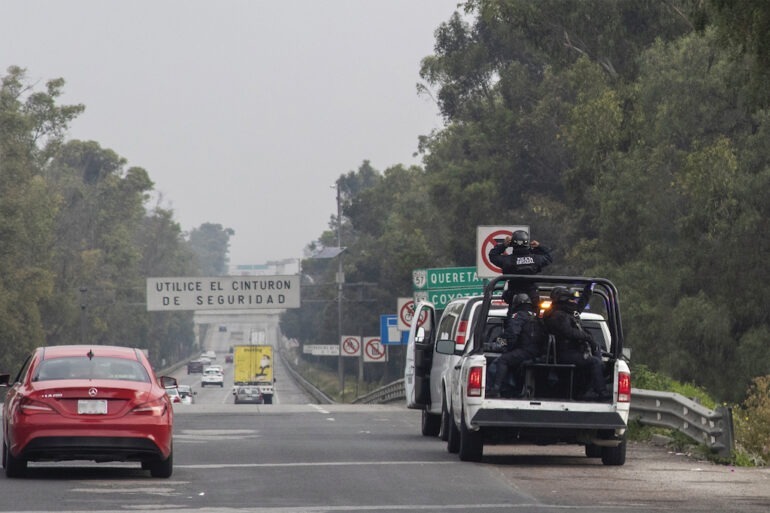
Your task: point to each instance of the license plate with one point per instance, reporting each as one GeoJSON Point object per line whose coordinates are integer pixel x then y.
{"type": "Point", "coordinates": [92, 407]}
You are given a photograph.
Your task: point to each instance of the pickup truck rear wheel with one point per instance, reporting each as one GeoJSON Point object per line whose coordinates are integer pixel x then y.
{"type": "Point", "coordinates": [453, 437]}
{"type": "Point", "coordinates": [445, 420]}
{"type": "Point", "coordinates": [615, 455]}
{"type": "Point", "coordinates": [431, 424]}
{"type": "Point", "coordinates": [471, 443]}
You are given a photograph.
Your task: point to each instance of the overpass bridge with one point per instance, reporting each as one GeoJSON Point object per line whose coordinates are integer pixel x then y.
{"type": "Point", "coordinates": [218, 330]}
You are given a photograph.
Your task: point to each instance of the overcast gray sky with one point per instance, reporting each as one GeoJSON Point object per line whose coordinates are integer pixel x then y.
{"type": "Point", "coordinates": [244, 113]}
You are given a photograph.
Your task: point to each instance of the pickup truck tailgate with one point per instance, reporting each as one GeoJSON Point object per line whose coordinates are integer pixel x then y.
{"type": "Point", "coordinates": [499, 417]}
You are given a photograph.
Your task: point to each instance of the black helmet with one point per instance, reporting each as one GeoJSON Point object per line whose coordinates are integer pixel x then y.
{"type": "Point", "coordinates": [520, 239]}
{"type": "Point", "coordinates": [561, 295]}
{"type": "Point", "coordinates": [520, 299]}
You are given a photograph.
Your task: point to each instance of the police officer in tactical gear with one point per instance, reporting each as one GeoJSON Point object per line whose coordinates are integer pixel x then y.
{"type": "Point", "coordinates": [575, 345]}
{"type": "Point", "coordinates": [526, 258]}
{"type": "Point", "coordinates": [524, 341]}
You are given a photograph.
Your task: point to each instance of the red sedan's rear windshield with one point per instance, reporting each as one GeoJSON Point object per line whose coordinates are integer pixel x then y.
{"type": "Point", "coordinates": [95, 368]}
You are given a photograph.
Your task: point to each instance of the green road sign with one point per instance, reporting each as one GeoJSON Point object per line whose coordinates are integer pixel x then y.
{"type": "Point", "coordinates": [445, 278]}
{"type": "Point", "coordinates": [440, 298]}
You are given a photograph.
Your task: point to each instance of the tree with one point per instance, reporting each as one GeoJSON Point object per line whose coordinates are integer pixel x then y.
{"type": "Point", "coordinates": [31, 127]}
{"type": "Point", "coordinates": [745, 26]}
{"type": "Point", "coordinates": [210, 243]}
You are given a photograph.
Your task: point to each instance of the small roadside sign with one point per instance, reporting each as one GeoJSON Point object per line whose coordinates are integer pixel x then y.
{"type": "Point", "coordinates": [374, 351]}
{"type": "Point", "coordinates": [321, 349]}
{"type": "Point", "coordinates": [389, 332]}
{"type": "Point", "coordinates": [405, 309]}
{"type": "Point", "coordinates": [350, 346]}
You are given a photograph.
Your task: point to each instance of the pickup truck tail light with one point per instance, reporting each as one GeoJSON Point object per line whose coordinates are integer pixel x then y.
{"type": "Point", "coordinates": [474, 381]}
{"type": "Point", "coordinates": [624, 387]}
{"type": "Point", "coordinates": [462, 334]}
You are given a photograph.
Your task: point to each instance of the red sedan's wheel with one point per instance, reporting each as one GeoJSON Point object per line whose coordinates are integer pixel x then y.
{"type": "Point", "coordinates": [163, 468]}
{"type": "Point", "coordinates": [14, 467]}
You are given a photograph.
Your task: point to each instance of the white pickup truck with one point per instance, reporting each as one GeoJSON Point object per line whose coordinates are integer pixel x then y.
{"type": "Point", "coordinates": [546, 409]}
{"type": "Point", "coordinates": [426, 371]}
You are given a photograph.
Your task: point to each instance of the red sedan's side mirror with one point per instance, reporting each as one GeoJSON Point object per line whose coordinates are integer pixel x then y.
{"type": "Point", "coordinates": [168, 381]}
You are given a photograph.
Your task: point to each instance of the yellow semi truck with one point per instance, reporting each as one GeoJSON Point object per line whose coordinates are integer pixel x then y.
{"type": "Point", "coordinates": [253, 374]}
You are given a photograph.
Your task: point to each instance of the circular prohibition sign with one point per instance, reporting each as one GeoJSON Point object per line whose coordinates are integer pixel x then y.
{"type": "Point", "coordinates": [407, 314]}
{"type": "Point", "coordinates": [374, 349]}
{"type": "Point", "coordinates": [351, 346]}
{"type": "Point", "coordinates": [489, 243]}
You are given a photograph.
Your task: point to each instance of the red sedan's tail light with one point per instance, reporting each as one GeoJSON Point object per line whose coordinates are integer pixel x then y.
{"type": "Point", "coordinates": [624, 387]}
{"type": "Point", "coordinates": [474, 382]}
{"type": "Point", "coordinates": [154, 408]}
{"type": "Point", "coordinates": [29, 406]}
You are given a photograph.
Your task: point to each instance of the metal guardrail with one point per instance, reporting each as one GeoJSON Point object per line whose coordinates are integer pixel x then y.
{"type": "Point", "coordinates": [385, 394]}
{"type": "Point", "coordinates": [312, 390]}
{"type": "Point", "coordinates": [712, 428]}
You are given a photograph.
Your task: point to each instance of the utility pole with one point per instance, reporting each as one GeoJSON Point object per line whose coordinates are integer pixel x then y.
{"type": "Point", "coordinates": [340, 279]}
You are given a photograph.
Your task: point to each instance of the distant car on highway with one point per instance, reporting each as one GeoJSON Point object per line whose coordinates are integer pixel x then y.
{"type": "Point", "coordinates": [248, 394]}
{"type": "Point", "coordinates": [95, 403]}
{"type": "Point", "coordinates": [186, 393]}
{"type": "Point", "coordinates": [211, 355]}
{"type": "Point", "coordinates": [173, 394]}
{"type": "Point", "coordinates": [195, 366]}
{"type": "Point", "coordinates": [212, 377]}
{"type": "Point", "coordinates": [229, 358]}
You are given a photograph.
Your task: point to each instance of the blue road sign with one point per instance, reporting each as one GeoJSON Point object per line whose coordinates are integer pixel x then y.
{"type": "Point", "coordinates": [389, 332]}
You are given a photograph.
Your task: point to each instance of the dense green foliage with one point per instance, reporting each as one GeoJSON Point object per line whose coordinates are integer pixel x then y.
{"type": "Point", "coordinates": [629, 135]}
{"type": "Point", "coordinates": [78, 241]}
{"type": "Point", "coordinates": [752, 421]}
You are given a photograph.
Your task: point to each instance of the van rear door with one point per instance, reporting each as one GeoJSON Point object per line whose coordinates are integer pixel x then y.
{"type": "Point", "coordinates": [419, 356]}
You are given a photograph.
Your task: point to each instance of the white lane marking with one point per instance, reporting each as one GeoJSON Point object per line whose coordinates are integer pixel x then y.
{"type": "Point", "coordinates": [207, 435]}
{"type": "Point", "coordinates": [309, 464]}
{"type": "Point", "coordinates": [320, 409]}
{"type": "Point", "coordinates": [507, 506]}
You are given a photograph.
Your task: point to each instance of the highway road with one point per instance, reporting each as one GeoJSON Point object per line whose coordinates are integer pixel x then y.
{"type": "Point", "coordinates": [295, 456]}
{"type": "Point", "coordinates": [286, 390]}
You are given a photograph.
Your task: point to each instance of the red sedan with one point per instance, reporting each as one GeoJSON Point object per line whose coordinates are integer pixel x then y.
{"type": "Point", "coordinates": [97, 403]}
